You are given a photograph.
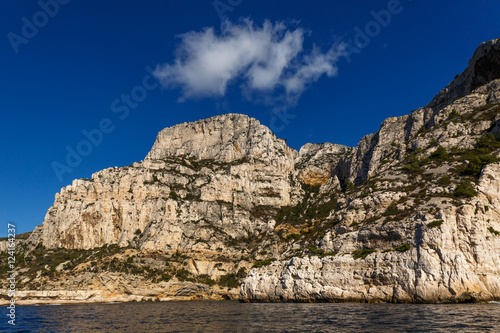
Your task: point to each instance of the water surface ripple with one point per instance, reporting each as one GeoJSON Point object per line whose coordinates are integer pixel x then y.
{"type": "Point", "coordinates": [232, 316]}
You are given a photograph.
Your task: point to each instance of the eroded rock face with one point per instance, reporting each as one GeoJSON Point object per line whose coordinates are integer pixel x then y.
{"type": "Point", "coordinates": [316, 163]}
{"type": "Point", "coordinates": [373, 149]}
{"type": "Point", "coordinates": [434, 249]}
{"type": "Point", "coordinates": [409, 215]}
{"type": "Point", "coordinates": [456, 262]}
{"type": "Point", "coordinates": [223, 138]}
{"type": "Point", "coordinates": [195, 190]}
{"type": "Point", "coordinates": [483, 68]}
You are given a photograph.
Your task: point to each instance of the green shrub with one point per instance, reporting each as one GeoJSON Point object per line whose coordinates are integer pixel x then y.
{"type": "Point", "coordinates": [435, 224]}
{"type": "Point", "coordinates": [166, 277]}
{"type": "Point", "coordinates": [473, 168]}
{"type": "Point", "coordinates": [445, 180]}
{"type": "Point", "coordinates": [350, 186]}
{"type": "Point", "coordinates": [493, 231]}
{"type": "Point", "coordinates": [292, 237]}
{"type": "Point", "coordinates": [322, 210]}
{"type": "Point", "coordinates": [413, 168]}
{"type": "Point", "coordinates": [183, 275]}
{"type": "Point", "coordinates": [422, 131]}
{"type": "Point", "coordinates": [488, 141]}
{"type": "Point", "coordinates": [290, 214]}
{"type": "Point", "coordinates": [362, 254]}
{"type": "Point", "coordinates": [372, 219]}
{"type": "Point", "coordinates": [392, 209]}
{"type": "Point", "coordinates": [191, 196]}
{"type": "Point", "coordinates": [465, 190]}
{"type": "Point", "coordinates": [205, 279]}
{"type": "Point", "coordinates": [484, 107]}
{"type": "Point", "coordinates": [482, 154]}
{"type": "Point", "coordinates": [242, 273]}
{"type": "Point", "coordinates": [454, 114]}
{"type": "Point", "coordinates": [439, 154]}
{"type": "Point", "coordinates": [261, 263]}
{"type": "Point", "coordinates": [305, 210]}
{"type": "Point", "coordinates": [173, 195]}
{"type": "Point", "coordinates": [413, 163]}
{"type": "Point", "coordinates": [402, 248]}
{"type": "Point", "coordinates": [310, 188]}
{"type": "Point", "coordinates": [229, 280]}
{"type": "Point", "coordinates": [315, 250]}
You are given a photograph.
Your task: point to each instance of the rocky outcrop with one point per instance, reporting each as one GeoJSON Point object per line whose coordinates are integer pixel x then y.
{"type": "Point", "coordinates": [456, 261]}
{"type": "Point", "coordinates": [202, 197]}
{"type": "Point", "coordinates": [195, 190]}
{"type": "Point", "coordinates": [411, 214]}
{"type": "Point", "coordinates": [225, 138]}
{"type": "Point", "coordinates": [316, 163]}
{"type": "Point", "coordinates": [417, 229]}
{"type": "Point", "coordinates": [483, 68]}
{"type": "Point", "coordinates": [182, 291]}
{"type": "Point", "coordinates": [373, 149]}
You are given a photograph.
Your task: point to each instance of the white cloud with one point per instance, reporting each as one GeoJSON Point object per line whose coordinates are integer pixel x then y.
{"type": "Point", "coordinates": [269, 60]}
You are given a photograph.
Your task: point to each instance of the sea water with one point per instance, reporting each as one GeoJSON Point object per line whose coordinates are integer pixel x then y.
{"type": "Point", "coordinates": [232, 316]}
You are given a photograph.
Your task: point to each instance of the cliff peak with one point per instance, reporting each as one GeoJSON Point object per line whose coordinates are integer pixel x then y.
{"type": "Point", "coordinates": [225, 138]}
{"type": "Point", "coordinates": [484, 67]}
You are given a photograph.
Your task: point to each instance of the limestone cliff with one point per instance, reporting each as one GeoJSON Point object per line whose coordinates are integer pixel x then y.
{"type": "Point", "coordinates": [374, 148]}
{"type": "Point", "coordinates": [441, 253]}
{"type": "Point", "coordinates": [195, 190]}
{"type": "Point", "coordinates": [200, 204]}
{"type": "Point", "coordinates": [412, 214]}
{"type": "Point", "coordinates": [422, 224]}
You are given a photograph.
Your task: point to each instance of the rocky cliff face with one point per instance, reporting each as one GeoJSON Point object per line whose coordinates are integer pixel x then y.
{"type": "Point", "coordinates": [442, 253]}
{"type": "Point", "coordinates": [483, 68]}
{"type": "Point", "coordinates": [410, 214]}
{"type": "Point", "coordinates": [195, 190]}
{"type": "Point", "coordinates": [422, 224]}
{"type": "Point", "coordinates": [225, 139]}
{"type": "Point", "coordinates": [372, 149]}
{"type": "Point", "coordinates": [316, 163]}
{"type": "Point", "coordinates": [203, 197]}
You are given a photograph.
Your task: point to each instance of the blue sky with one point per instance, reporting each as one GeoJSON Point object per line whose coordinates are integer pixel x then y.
{"type": "Point", "coordinates": [72, 73]}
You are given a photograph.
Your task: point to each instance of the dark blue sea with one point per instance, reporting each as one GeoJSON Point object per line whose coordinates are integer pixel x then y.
{"type": "Point", "coordinates": [232, 316]}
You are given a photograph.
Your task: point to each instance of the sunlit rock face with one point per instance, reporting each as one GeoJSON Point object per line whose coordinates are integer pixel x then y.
{"type": "Point", "coordinates": [411, 214]}
{"type": "Point", "coordinates": [200, 181]}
